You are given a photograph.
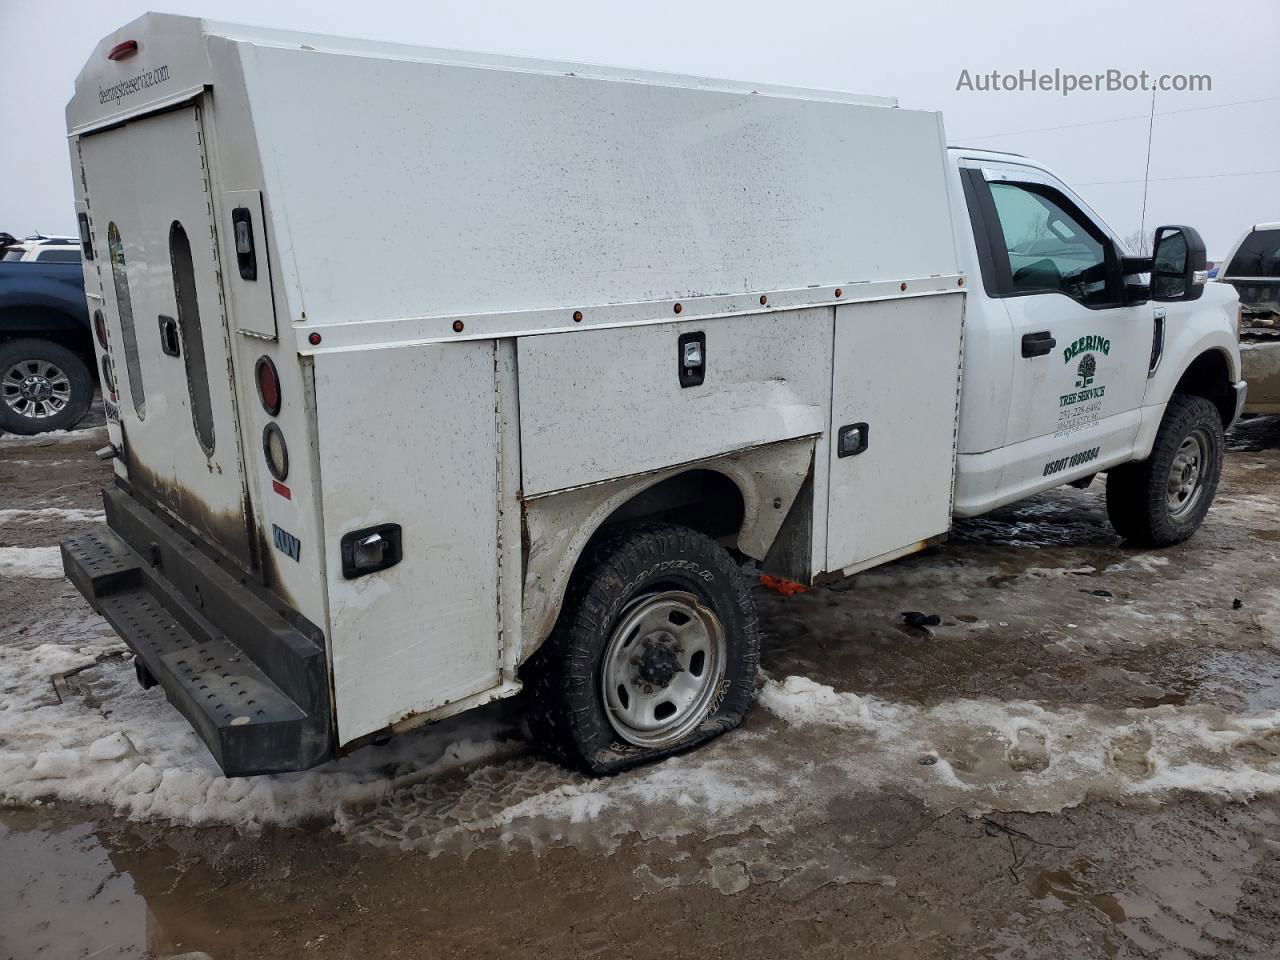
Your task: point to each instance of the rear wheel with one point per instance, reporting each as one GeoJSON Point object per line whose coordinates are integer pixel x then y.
{"type": "Point", "coordinates": [1163, 499]}
{"type": "Point", "coordinates": [655, 651]}
{"type": "Point", "coordinates": [43, 386]}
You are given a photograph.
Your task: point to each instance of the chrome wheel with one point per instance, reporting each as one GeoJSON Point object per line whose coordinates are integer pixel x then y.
{"type": "Point", "coordinates": [35, 389]}
{"type": "Point", "coordinates": [1187, 473]}
{"type": "Point", "coordinates": [662, 668]}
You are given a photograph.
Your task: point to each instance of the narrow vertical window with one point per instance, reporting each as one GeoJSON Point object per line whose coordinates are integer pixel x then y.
{"type": "Point", "coordinates": [184, 292]}
{"type": "Point", "coordinates": [124, 305]}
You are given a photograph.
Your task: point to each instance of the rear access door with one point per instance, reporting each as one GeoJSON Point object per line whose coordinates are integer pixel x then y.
{"type": "Point", "coordinates": [149, 199]}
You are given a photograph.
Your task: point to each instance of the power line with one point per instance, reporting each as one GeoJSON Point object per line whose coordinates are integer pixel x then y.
{"type": "Point", "coordinates": [1198, 176]}
{"type": "Point", "coordinates": [1137, 116]}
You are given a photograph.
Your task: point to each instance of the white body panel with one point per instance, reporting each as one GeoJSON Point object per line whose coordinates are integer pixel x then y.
{"type": "Point", "coordinates": [768, 378]}
{"type": "Point", "coordinates": [897, 369]}
{"type": "Point", "coordinates": [425, 632]}
{"type": "Point", "coordinates": [580, 192]}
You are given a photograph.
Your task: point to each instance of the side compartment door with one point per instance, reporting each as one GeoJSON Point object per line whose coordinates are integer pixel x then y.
{"type": "Point", "coordinates": [421, 452]}
{"type": "Point", "coordinates": [894, 397]}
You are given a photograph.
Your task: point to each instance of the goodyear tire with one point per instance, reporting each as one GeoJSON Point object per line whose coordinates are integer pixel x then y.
{"type": "Point", "coordinates": [655, 651]}
{"type": "Point", "coordinates": [1162, 500]}
{"type": "Point", "coordinates": [43, 386]}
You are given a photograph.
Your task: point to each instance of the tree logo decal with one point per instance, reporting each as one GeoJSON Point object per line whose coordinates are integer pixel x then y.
{"type": "Point", "coordinates": [1086, 371]}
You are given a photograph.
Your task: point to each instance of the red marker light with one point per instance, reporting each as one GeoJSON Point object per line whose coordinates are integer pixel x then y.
{"type": "Point", "coordinates": [123, 51]}
{"type": "Point", "coordinates": [268, 385]}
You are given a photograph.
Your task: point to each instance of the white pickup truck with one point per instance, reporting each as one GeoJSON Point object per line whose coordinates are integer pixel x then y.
{"type": "Point", "coordinates": [626, 330]}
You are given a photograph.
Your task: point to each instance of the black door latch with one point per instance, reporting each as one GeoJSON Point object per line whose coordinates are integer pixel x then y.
{"type": "Point", "coordinates": [691, 358]}
{"type": "Point", "coordinates": [852, 439]}
{"type": "Point", "coordinates": [246, 256]}
{"type": "Point", "coordinates": [1037, 344]}
{"type": "Point", "coordinates": [169, 342]}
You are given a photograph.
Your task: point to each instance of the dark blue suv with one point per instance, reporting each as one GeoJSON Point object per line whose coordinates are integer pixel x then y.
{"type": "Point", "coordinates": [46, 341]}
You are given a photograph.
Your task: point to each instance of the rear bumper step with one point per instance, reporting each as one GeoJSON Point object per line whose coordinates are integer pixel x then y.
{"type": "Point", "coordinates": [248, 673]}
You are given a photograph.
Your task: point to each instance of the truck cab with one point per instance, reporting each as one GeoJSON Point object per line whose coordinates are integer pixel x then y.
{"type": "Point", "coordinates": [1069, 362]}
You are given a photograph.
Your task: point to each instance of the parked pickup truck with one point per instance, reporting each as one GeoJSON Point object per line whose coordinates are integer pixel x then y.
{"type": "Point", "coordinates": [46, 348]}
{"type": "Point", "coordinates": [1253, 269]}
{"type": "Point", "coordinates": [645, 326]}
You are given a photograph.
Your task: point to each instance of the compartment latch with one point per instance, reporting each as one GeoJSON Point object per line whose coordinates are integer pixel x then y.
{"type": "Point", "coordinates": [691, 357]}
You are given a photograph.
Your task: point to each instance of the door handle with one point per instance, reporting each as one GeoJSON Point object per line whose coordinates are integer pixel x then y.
{"type": "Point", "coordinates": [169, 342]}
{"type": "Point", "coordinates": [1037, 344]}
{"type": "Point", "coordinates": [852, 439]}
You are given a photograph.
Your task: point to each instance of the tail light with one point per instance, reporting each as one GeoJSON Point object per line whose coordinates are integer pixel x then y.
{"type": "Point", "coordinates": [268, 385]}
{"type": "Point", "coordinates": [100, 328]}
{"type": "Point", "coordinates": [276, 452]}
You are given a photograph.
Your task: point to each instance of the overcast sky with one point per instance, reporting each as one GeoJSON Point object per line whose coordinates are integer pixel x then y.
{"type": "Point", "coordinates": [1215, 157]}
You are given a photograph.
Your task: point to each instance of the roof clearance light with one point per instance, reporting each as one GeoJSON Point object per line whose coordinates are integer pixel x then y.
{"type": "Point", "coordinates": [123, 51]}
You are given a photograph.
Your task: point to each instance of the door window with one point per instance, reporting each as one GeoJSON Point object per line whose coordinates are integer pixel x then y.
{"type": "Point", "coordinates": [184, 292]}
{"type": "Point", "coordinates": [124, 305]}
{"type": "Point", "coordinates": [59, 256]}
{"type": "Point", "coordinates": [1032, 239]}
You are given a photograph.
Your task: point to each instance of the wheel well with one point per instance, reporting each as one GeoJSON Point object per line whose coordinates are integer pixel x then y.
{"type": "Point", "coordinates": [703, 500]}
{"type": "Point", "coordinates": [1209, 377]}
{"type": "Point", "coordinates": [47, 323]}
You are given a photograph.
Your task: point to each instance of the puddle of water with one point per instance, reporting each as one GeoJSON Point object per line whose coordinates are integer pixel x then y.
{"type": "Point", "coordinates": [71, 889]}
{"type": "Point", "coordinates": [1244, 680]}
{"type": "Point", "coordinates": [63, 896]}
{"type": "Point", "coordinates": [1061, 889]}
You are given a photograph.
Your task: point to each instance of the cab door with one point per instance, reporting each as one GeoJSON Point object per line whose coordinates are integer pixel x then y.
{"type": "Point", "coordinates": [1080, 350]}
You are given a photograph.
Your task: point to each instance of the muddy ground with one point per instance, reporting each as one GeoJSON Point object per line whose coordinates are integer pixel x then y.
{"type": "Point", "coordinates": [1081, 760]}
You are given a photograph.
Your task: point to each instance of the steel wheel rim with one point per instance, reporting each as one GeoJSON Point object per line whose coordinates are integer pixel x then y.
{"type": "Point", "coordinates": [35, 389]}
{"type": "Point", "coordinates": [670, 632]}
{"type": "Point", "coordinates": [1185, 484]}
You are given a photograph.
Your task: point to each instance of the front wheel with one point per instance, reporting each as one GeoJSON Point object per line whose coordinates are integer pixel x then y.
{"type": "Point", "coordinates": [1163, 499]}
{"type": "Point", "coordinates": [43, 386]}
{"type": "Point", "coordinates": [655, 651]}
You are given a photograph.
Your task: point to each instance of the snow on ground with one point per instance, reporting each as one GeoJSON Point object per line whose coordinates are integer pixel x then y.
{"type": "Point", "coordinates": [68, 514]}
{"type": "Point", "coordinates": [40, 563]}
{"type": "Point", "coordinates": [51, 436]}
{"type": "Point", "coordinates": [979, 755]}
{"type": "Point", "coordinates": [992, 753]}
{"type": "Point", "coordinates": [129, 749]}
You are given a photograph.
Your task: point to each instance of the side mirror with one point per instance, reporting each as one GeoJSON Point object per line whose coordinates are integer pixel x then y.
{"type": "Point", "coordinates": [1179, 267]}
